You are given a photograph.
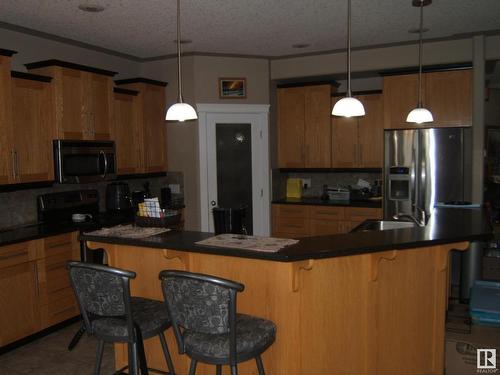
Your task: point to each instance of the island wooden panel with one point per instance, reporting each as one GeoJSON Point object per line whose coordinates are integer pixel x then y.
{"type": "Point", "coordinates": [375, 313]}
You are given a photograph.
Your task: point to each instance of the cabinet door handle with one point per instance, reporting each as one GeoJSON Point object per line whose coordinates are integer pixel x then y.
{"type": "Point", "coordinates": [13, 159]}
{"type": "Point", "coordinates": [17, 164]}
{"type": "Point", "coordinates": [37, 281]}
{"type": "Point", "coordinates": [92, 124]}
{"type": "Point", "coordinates": [360, 153]}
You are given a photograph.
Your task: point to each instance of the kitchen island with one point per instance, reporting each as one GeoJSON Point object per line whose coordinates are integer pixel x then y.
{"type": "Point", "coordinates": [358, 303]}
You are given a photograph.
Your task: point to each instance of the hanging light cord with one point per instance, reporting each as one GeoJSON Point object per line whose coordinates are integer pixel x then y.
{"type": "Point", "coordinates": [349, 49]}
{"type": "Point", "coordinates": [179, 73]}
{"type": "Point", "coordinates": [420, 54]}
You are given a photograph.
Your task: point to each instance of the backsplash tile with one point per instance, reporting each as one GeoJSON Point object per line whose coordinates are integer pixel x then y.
{"type": "Point", "coordinates": [19, 207]}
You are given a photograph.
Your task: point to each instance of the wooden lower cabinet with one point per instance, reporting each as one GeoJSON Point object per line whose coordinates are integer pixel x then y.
{"type": "Point", "coordinates": [295, 221]}
{"type": "Point", "coordinates": [19, 292]}
{"type": "Point", "coordinates": [35, 292]}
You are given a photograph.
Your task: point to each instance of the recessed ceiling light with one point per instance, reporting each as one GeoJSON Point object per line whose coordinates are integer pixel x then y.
{"type": "Point", "coordinates": [300, 45]}
{"type": "Point", "coordinates": [184, 41]}
{"type": "Point", "coordinates": [416, 30]}
{"type": "Point", "coordinates": [91, 7]}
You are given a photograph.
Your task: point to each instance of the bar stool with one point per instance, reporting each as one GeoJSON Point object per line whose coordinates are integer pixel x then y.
{"type": "Point", "coordinates": [206, 325]}
{"type": "Point", "coordinates": [112, 315]}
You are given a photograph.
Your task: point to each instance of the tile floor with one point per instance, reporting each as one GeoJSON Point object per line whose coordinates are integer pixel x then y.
{"type": "Point", "coordinates": [49, 356]}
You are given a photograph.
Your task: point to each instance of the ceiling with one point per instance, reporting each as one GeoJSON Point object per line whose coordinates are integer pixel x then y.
{"type": "Point", "coordinates": [146, 28]}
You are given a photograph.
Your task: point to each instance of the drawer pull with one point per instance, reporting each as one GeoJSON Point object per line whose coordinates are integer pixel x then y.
{"type": "Point", "coordinates": [52, 246]}
{"type": "Point", "coordinates": [327, 213]}
{"type": "Point", "coordinates": [13, 255]}
{"type": "Point", "coordinates": [63, 310]}
{"type": "Point", "coordinates": [294, 226]}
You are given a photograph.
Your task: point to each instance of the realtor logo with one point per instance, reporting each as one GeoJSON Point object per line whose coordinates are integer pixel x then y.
{"type": "Point", "coordinates": [486, 359]}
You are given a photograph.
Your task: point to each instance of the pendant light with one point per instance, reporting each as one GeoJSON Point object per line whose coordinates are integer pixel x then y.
{"type": "Point", "coordinates": [420, 114]}
{"type": "Point", "coordinates": [180, 111]}
{"type": "Point", "coordinates": [348, 106]}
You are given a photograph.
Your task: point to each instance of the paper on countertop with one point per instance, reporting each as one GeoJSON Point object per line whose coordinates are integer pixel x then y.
{"type": "Point", "coordinates": [254, 243]}
{"type": "Point", "coordinates": [127, 231]}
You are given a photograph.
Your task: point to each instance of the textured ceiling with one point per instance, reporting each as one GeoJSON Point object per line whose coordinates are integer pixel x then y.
{"type": "Point", "coordinates": [146, 28]}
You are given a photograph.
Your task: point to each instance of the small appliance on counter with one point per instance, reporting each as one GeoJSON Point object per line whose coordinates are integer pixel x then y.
{"type": "Point", "coordinates": [118, 197]}
{"type": "Point", "coordinates": [294, 188]}
{"type": "Point", "coordinates": [335, 194]}
{"type": "Point", "coordinates": [138, 196]}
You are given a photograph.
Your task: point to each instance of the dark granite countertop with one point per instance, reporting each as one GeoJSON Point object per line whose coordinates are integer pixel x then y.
{"type": "Point", "coordinates": [320, 202]}
{"type": "Point", "coordinates": [36, 231]}
{"type": "Point", "coordinates": [447, 225]}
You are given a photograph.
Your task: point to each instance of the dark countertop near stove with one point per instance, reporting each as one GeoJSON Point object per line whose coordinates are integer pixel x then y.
{"type": "Point", "coordinates": [36, 231]}
{"type": "Point", "coordinates": [319, 202]}
{"type": "Point", "coordinates": [447, 225]}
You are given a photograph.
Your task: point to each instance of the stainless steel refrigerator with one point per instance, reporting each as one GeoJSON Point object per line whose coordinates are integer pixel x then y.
{"type": "Point", "coordinates": [425, 166]}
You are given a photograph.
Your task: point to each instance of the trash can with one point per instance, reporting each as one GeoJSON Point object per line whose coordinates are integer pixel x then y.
{"type": "Point", "coordinates": [229, 220]}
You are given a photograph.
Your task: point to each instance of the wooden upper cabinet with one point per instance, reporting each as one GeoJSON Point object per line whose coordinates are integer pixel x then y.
{"type": "Point", "coordinates": [357, 142]}
{"type": "Point", "coordinates": [400, 97]}
{"type": "Point", "coordinates": [291, 125]}
{"type": "Point", "coordinates": [344, 140]}
{"type": "Point", "coordinates": [154, 128]}
{"type": "Point", "coordinates": [449, 97]}
{"type": "Point", "coordinates": [126, 133]}
{"type": "Point", "coordinates": [152, 132]}
{"type": "Point", "coordinates": [71, 113]}
{"type": "Point", "coordinates": [32, 130]}
{"type": "Point", "coordinates": [304, 127]}
{"type": "Point", "coordinates": [371, 132]}
{"type": "Point", "coordinates": [6, 157]}
{"type": "Point", "coordinates": [317, 126]}
{"type": "Point", "coordinates": [83, 99]}
{"type": "Point", "coordinates": [99, 106]}
{"type": "Point", "coordinates": [447, 94]}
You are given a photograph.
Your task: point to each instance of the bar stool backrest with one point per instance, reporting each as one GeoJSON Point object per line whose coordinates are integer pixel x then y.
{"type": "Point", "coordinates": [101, 291]}
{"type": "Point", "coordinates": [200, 303]}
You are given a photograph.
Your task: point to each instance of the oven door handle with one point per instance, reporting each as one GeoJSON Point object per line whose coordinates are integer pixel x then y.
{"type": "Point", "coordinates": [103, 154]}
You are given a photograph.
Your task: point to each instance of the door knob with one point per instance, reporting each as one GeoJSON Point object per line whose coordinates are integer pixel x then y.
{"type": "Point", "coordinates": [213, 203]}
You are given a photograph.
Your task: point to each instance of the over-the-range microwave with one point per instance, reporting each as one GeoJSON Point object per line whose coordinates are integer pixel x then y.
{"type": "Point", "coordinates": [78, 162]}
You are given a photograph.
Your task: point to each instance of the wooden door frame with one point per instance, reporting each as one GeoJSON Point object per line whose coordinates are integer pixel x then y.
{"type": "Point", "coordinates": [259, 118]}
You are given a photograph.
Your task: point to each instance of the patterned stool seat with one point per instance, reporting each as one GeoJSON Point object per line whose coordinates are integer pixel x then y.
{"type": "Point", "coordinates": [150, 316]}
{"type": "Point", "coordinates": [253, 335]}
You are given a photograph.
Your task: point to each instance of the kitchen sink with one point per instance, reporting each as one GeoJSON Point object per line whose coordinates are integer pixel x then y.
{"type": "Point", "coordinates": [372, 225]}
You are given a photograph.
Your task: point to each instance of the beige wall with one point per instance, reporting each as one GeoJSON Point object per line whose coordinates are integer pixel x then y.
{"type": "Point", "coordinates": [200, 85]}
{"type": "Point", "coordinates": [32, 48]}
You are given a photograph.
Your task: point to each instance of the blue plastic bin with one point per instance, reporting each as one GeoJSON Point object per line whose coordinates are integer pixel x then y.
{"type": "Point", "coordinates": [485, 303]}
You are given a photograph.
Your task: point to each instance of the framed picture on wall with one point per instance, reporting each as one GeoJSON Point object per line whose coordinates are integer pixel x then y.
{"type": "Point", "coordinates": [232, 88]}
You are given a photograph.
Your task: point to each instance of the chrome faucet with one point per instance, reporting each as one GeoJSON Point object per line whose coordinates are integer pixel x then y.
{"type": "Point", "coordinates": [419, 217]}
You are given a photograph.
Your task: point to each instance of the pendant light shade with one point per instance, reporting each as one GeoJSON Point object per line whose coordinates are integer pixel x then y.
{"type": "Point", "coordinates": [420, 114]}
{"type": "Point", "coordinates": [348, 106]}
{"type": "Point", "coordinates": [180, 111]}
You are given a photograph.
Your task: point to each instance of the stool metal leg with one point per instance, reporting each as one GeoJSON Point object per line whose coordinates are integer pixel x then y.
{"type": "Point", "coordinates": [192, 367]}
{"type": "Point", "coordinates": [133, 365]}
{"type": "Point", "coordinates": [166, 353]}
{"type": "Point", "coordinates": [234, 370]}
{"type": "Point", "coordinates": [218, 370]}
{"type": "Point", "coordinates": [98, 360]}
{"type": "Point", "coordinates": [260, 366]}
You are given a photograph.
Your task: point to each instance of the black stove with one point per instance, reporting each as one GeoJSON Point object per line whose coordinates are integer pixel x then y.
{"type": "Point", "coordinates": [56, 209]}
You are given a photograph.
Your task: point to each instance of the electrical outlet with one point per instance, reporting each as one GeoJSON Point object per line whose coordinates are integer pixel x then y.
{"type": "Point", "coordinates": [306, 183]}
{"type": "Point", "coordinates": [175, 188]}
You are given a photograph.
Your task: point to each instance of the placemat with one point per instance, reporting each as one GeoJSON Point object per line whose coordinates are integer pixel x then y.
{"type": "Point", "coordinates": [128, 231]}
{"type": "Point", "coordinates": [254, 243]}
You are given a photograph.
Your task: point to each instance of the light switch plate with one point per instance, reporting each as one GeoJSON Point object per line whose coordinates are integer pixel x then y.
{"type": "Point", "coordinates": [175, 188]}
{"type": "Point", "coordinates": [306, 183]}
